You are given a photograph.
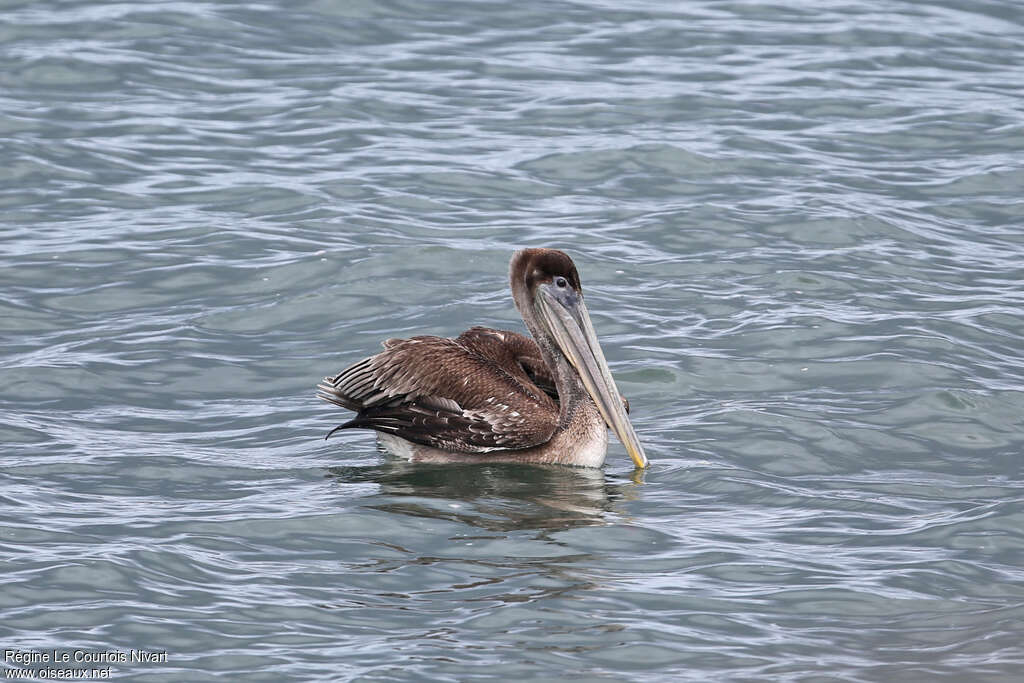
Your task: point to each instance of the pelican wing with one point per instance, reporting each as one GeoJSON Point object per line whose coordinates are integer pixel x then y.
{"type": "Point", "coordinates": [446, 393]}
{"type": "Point", "coordinates": [515, 353]}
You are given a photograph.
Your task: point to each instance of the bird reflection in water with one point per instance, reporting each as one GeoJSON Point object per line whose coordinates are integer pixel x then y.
{"type": "Point", "coordinates": [495, 496]}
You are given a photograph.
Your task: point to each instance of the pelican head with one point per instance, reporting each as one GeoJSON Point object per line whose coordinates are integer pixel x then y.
{"type": "Point", "coordinates": [547, 291]}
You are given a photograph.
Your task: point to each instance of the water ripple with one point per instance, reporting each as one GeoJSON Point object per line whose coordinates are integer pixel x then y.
{"type": "Point", "coordinates": [799, 229]}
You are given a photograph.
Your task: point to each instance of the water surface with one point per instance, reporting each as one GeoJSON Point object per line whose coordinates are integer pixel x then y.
{"type": "Point", "coordinates": [799, 230]}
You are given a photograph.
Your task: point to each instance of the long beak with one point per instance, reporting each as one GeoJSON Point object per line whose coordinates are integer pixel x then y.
{"type": "Point", "coordinates": [569, 323]}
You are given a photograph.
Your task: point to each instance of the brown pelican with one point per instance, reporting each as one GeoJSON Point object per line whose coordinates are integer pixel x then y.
{"type": "Point", "coordinates": [493, 395]}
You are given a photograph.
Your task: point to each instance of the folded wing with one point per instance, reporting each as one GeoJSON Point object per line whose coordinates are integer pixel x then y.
{"type": "Point", "coordinates": [472, 394]}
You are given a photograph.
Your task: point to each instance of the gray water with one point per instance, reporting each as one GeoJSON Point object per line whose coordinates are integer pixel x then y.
{"type": "Point", "coordinates": [800, 228]}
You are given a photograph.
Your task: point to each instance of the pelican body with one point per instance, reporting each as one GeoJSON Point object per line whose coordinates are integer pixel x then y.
{"type": "Point", "coordinates": [493, 395]}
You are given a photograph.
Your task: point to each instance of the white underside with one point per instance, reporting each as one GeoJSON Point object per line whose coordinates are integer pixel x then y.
{"type": "Point", "coordinates": [397, 446]}
{"type": "Point", "coordinates": [585, 453]}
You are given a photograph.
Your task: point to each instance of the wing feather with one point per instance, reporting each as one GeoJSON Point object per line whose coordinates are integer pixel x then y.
{"type": "Point", "coordinates": [463, 396]}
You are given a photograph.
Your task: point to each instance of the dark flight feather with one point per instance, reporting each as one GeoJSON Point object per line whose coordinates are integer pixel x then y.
{"type": "Point", "coordinates": [482, 392]}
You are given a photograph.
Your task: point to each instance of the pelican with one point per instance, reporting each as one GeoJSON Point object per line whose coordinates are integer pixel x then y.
{"type": "Point", "coordinates": [493, 395]}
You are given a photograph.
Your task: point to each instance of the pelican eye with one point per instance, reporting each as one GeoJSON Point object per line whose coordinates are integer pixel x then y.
{"type": "Point", "coordinates": [561, 282]}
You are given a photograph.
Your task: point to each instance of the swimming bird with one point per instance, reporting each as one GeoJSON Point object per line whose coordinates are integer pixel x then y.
{"type": "Point", "coordinates": [494, 395]}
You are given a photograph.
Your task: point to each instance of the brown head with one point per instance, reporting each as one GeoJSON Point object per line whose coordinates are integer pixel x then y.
{"type": "Point", "coordinates": [532, 267]}
{"type": "Point", "coordinates": [547, 292]}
